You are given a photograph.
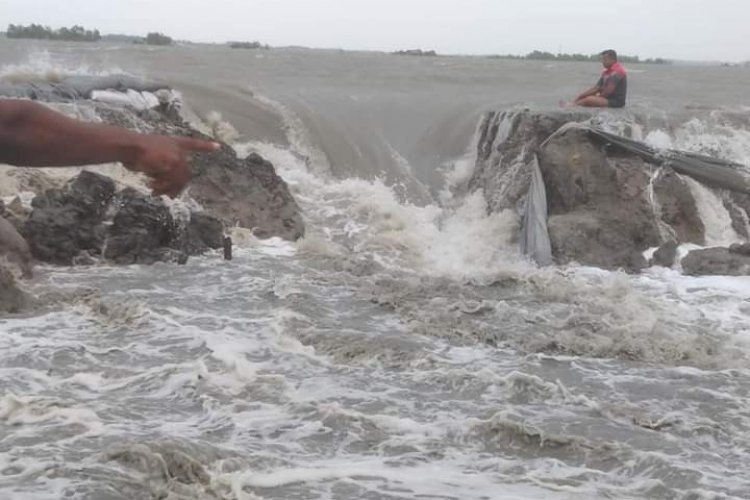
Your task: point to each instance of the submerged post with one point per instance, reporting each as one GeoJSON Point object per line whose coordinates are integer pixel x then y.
{"type": "Point", "coordinates": [227, 248]}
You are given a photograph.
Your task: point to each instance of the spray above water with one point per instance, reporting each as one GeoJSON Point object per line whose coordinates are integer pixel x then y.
{"type": "Point", "coordinates": [43, 65]}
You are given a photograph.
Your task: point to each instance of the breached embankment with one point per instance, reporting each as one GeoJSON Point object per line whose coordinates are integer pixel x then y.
{"type": "Point", "coordinates": [595, 198]}
{"type": "Point", "coordinates": [583, 195]}
{"type": "Point", "coordinates": [72, 216]}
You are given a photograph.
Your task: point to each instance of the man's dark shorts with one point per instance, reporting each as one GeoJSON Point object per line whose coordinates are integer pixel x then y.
{"type": "Point", "coordinates": [616, 103]}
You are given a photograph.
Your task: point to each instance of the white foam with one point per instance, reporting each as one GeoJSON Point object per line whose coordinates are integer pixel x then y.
{"type": "Point", "coordinates": [275, 247]}
{"type": "Point", "coordinates": [713, 213]}
{"type": "Point", "coordinates": [712, 137]}
{"type": "Point", "coordinates": [721, 299]}
{"type": "Point", "coordinates": [456, 177]}
{"type": "Point", "coordinates": [424, 480]}
{"type": "Point", "coordinates": [15, 410]}
{"type": "Point", "coordinates": [220, 129]}
{"type": "Point", "coordinates": [659, 139]}
{"type": "Point", "coordinates": [461, 241]}
{"type": "Point", "coordinates": [459, 172]}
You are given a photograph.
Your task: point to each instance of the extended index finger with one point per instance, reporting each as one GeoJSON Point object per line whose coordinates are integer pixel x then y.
{"type": "Point", "coordinates": [193, 144]}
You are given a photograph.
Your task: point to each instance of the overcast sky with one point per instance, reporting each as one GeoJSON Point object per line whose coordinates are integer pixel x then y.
{"type": "Point", "coordinates": [684, 29]}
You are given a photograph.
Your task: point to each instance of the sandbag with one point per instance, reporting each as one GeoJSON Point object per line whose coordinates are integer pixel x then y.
{"type": "Point", "coordinates": [78, 87]}
{"type": "Point", "coordinates": [85, 85]}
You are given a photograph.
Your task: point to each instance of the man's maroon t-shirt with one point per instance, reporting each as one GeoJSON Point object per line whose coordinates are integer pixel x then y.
{"type": "Point", "coordinates": [614, 85]}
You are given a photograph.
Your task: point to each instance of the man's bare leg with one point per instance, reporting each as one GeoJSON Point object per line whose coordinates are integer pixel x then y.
{"type": "Point", "coordinates": [593, 101]}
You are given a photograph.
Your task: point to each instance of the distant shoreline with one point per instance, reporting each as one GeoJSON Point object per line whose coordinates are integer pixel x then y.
{"type": "Point", "coordinates": [533, 56]}
{"type": "Point", "coordinates": [538, 55]}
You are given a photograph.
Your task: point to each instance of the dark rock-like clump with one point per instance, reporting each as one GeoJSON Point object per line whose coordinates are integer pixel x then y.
{"type": "Point", "coordinates": [88, 219]}
{"type": "Point", "coordinates": [677, 207]}
{"type": "Point", "coordinates": [13, 248]}
{"type": "Point", "coordinates": [12, 298]}
{"type": "Point", "coordinates": [732, 261]}
{"type": "Point", "coordinates": [246, 193]}
{"type": "Point", "coordinates": [598, 214]}
{"type": "Point", "coordinates": [14, 212]}
{"type": "Point", "coordinates": [203, 232]}
{"type": "Point", "coordinates": [666, 254]}
{"type": "Point", "coordinates": [15, 259]}
{"type": "Point", "coordinates": [142, 231]}
{"type": "Point", "coordinates": [67, 221]}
